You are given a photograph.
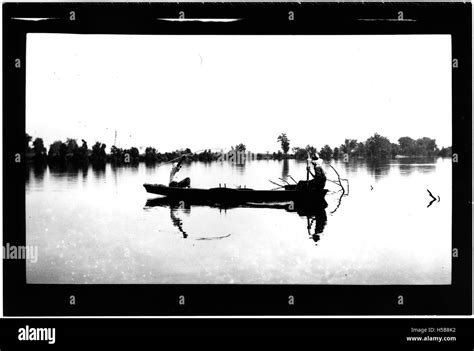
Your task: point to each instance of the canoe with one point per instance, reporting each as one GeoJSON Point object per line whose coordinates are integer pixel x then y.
{"type": "Point", "coordinates": [239, 195]}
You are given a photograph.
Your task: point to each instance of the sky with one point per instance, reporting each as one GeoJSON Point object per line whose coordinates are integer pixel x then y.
{"type": "Point", "coordinates": [212, 92]}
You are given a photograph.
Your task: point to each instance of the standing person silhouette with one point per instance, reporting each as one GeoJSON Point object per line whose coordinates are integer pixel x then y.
{"type": "Point", "coordinates": [319, 177]}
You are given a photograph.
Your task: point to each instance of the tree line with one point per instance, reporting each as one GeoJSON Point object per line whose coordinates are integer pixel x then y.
{"type": "Point", "coordinates": [70, 151]}
{"type": "Point", "coordinates": [375, 147]}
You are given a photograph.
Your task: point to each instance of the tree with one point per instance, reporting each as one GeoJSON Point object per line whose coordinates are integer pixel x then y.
{"type": "Point", "coordinates": [336, 153]}
{"type": "Point", "coordinates": [39, 149]}
{"type": "Point", "coordinates": [349, 146]}
{"type": "Point", "coordinates": [71, 146]}
{"type": "Point", "coordinates": [395, 149]}
{"type": "Point", "coordinates": [360, 150]}
{"type": "Point", "coordinates": [240, 148]}
{"type": "Point", "coordinates": [407, 146]}
{"type": "Point", "coordinates": [134, 153]}
{"type": "Point", "coordinates": [54, 152]}
{"type": "Point", "coordinates": [311, 150]}
{"type": "Point", "coordinates": [102, 151]}
{"type": "Point", "coordinates": [426, 147]}
{"type": "Point", "coordinates": [27, 142]}
{"type": "Point", "coordinates": [419, 147]}
{"type": "Point", "coordinates": [445, 152]}
{"type": "Point", "coordinates": [285, 142]}
{"type": "Point", "coordinates": [63, 152]}
{"type": "Point", "coordinates": [326, 153]}
{"type": "Point", "coordinates": [150, 154]}
{"type": "Point", "coordinates": [378, 146]}
{"type": "Point", "coordinates": [206, 155]}
{"type": "Point", "coordinates": [81, 153]}
{"type": "Point", "coordinates": [98, 152]}
{"type": "Point", "coordinates": [300, 153]}
{"type": "Point", "coordinates": [116, 154]}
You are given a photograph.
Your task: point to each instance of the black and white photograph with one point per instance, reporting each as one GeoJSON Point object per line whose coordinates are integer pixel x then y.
{"type": "Point", "coordinates": [239, 159]}
{"type": "Point", "coordinates": [227, 159]}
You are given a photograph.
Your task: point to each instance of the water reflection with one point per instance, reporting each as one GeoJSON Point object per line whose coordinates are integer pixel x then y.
{"type": "Point", "coordinates": [67, 170]}
{"type": "Point", "coordinates": [318, 223]}
{"type": "Point", "coordinates": [378, 169]}
{"type": "Point", "coordinates": [316, 217]}
{"type": "Point", "coordinates": [239, 166]}
{"type": "Point", "coordinates": [58, 168]}
{"type": "Point", "coordinates": [407, 166]}
{"type": "Point", "coordinates": [85, 172]}
{"type": "Point", "coordinates": [150, 168]}
{"type": "Point", "coordinates": [99, 170]}
{"type": "Point", "coordinates": [133, 167]}
{"type": "Point", "coordinates": [38, 171]}
{"type": "Point", "coordinates": [406, 169]}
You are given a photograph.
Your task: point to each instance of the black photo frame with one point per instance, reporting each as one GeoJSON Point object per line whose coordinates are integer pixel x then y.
{"type": "Point", "coordinates": [22, 299]}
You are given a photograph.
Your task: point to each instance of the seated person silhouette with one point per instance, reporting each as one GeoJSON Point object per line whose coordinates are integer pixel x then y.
{"type": "Point", "coordinates": [186, 182]}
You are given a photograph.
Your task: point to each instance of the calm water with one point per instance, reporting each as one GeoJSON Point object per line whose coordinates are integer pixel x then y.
{"type": "Point", "coordinates": [94, 226]}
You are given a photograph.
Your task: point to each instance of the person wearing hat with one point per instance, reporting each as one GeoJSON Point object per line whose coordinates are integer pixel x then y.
{"type": "Point", "coordinates": [319, 177]}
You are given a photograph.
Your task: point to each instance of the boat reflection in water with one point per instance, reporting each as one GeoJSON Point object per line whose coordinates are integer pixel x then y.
{"type": "Point", "coordinates": [315, 213]}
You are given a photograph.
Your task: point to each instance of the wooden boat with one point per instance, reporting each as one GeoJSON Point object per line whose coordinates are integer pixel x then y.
{"type": "Point", "coordinates": [239, 195]}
